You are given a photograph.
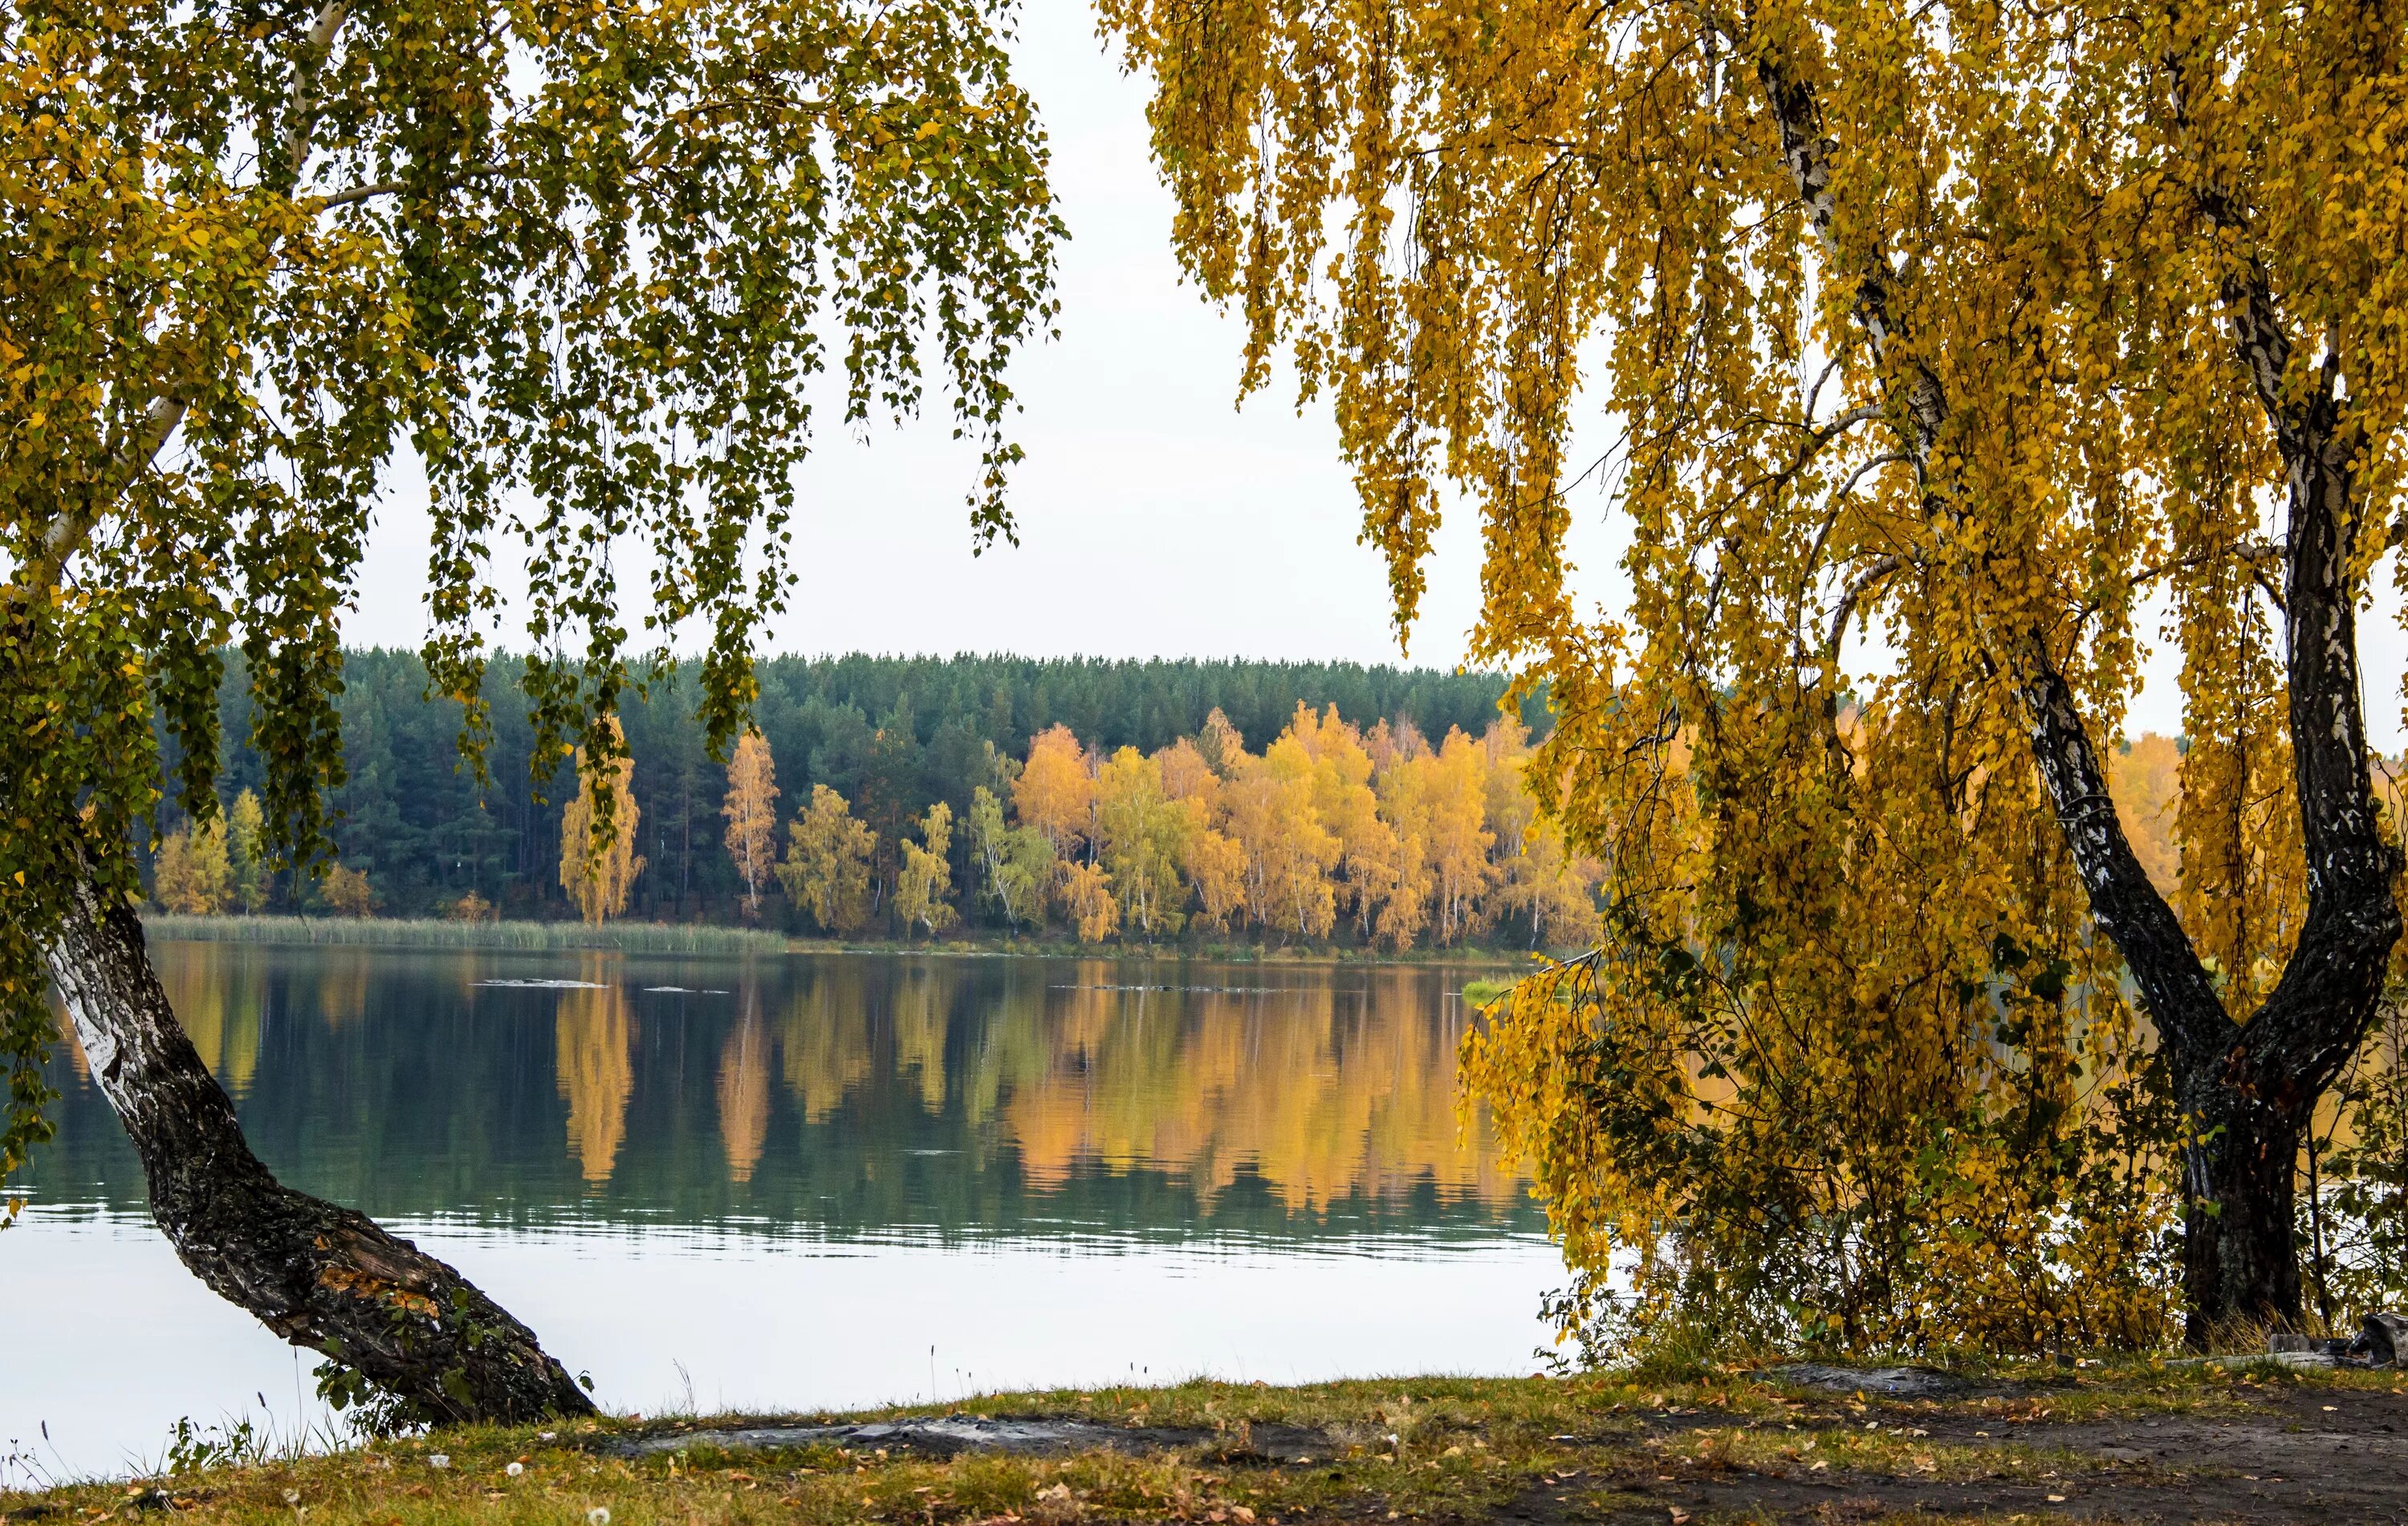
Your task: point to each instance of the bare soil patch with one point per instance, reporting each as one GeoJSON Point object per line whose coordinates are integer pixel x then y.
{"type": "Point", "coordinates": [2305, 1453]}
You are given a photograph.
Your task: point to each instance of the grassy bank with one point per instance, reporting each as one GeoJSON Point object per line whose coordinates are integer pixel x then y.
{"type": "Point", "coordinates": [681, 938]}
{"type": "Point", "coordinates": [2032, 1443]}
{"type": "Point", "coordinates": [429, 933]}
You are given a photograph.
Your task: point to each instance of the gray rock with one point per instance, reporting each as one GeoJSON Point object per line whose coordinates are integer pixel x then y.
{"type": "Point", "coordinates": [2305, 1350]}
{"type": "Point", "coordinates": [2303, 1359]}
{"type": "Point", "coordinates": [2383, 1340]}
{"type": "Point", "coordinates": [1892, 1382]}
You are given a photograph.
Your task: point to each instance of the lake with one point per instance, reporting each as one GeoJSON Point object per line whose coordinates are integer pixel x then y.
{"type": "Point", "coordinates": [803, 1182]}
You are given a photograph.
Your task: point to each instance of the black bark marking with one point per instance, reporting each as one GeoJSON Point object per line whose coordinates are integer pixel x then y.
{"type": "Point", "coordinates": [2246, 1090]}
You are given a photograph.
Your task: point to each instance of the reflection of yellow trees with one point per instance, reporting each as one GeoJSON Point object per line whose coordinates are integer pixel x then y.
{"type": "Point", "coordinates": [343, 987]}
{"type": "Point", "coordinates": [1323, 1091]}
{"type": "Point", "coordinates": [216, 990]}
{"type": "Point", "coordinates": [824, 1038]}
{"type": "Point", "coordinates": [919, 1015]}
{"type": "Point", "coordinates": [73, 1046]}
{"type": "Point", "coordinates": [596, 1034]}
{"type": "Point", "coordinates": [744, 1092]}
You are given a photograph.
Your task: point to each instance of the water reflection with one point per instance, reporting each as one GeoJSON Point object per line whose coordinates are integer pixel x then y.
{"type": "Point", "coordinates": [847, 1094]}
{"type": "Point", "coordinates": [595, 1071]}
{"type": "Point", "coordinates": [220, 1000]}
{"type": "Point", "coordinates": [1005, 1173]}
{"type": "Point", "coordinates": [744, 1094]}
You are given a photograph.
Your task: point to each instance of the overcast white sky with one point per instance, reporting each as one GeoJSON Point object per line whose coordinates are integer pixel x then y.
{"type": "Point", "coordinates": [1156, 519]}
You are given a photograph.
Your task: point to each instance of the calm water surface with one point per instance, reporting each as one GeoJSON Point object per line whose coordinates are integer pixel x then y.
{"type": "Point", "coordinates": [804, 1182]}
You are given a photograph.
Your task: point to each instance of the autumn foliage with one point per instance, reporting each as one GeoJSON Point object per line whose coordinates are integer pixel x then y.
{"type": "Point", "coordinates": [1378, 838]}
{"type": "Point", "coordinates": [1938, 350]}
{"type": "Point", "coordinates": [751, 810]}
{"type": "Point", "coordinates": [1331, 833]}
{"type": "Point", "coordinates": [598, 861]}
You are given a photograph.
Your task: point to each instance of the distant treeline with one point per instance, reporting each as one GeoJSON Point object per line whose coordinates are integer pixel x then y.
{"type": "Point", "coordinates": [891, 734]}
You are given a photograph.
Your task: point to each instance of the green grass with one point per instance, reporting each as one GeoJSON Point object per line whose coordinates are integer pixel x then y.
{"type": "Point", "coordinates": [1418, 1450]}
{"type": "Point", "coordinates": [429, 933]}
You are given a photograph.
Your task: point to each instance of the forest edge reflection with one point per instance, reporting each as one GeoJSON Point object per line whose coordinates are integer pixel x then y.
{"type": "Point", "coordinates": [845, 1094]}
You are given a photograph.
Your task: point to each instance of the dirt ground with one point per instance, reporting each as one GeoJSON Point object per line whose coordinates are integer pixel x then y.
{"type": "Point", "coordinates": [2143, 1442]}
{"type": "Point", "coordinates": [2305, 1453]}
{"type": "Point", "coordinates": [2272, 1446]}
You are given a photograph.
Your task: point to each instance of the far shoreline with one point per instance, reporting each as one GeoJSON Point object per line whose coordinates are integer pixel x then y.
{"type": "Point", "coordinates": [700, 940]}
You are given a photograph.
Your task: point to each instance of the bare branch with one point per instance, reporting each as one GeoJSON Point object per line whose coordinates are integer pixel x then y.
{"type": "Point", "coordinates": [350, 195]}
{"type": "Point", "coordinates": [333, 199]}
{"type": "Point", "coordinates": [1846, 609]}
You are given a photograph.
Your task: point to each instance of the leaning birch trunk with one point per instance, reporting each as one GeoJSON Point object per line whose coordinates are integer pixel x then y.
{"type": "Point", "coordinates": [318, 1276]}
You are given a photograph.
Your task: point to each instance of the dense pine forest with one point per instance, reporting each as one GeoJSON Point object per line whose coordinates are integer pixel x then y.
{"type": "Point", "coordinates": [891, 736]}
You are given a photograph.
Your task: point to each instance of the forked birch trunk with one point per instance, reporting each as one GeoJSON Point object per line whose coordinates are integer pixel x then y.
{"type": "Point", "coordinates": [2247, 1086]}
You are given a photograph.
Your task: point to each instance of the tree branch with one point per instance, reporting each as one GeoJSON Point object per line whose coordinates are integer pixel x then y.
{"type": "Point", "coordinates": [301, 108]}
{"type": "Point", "coordinates": [350, 195]}
{"type": "Point", "coordinates": [332, 199]}
{"type": "Point", "coordinates": [1856, 589]}
{"type": "Point", "coordinates": [2176, 986]}
{"type": "Point", "coordinates": [68, 530]}
{"type": "Point", "coordinates": [2312, 1020]}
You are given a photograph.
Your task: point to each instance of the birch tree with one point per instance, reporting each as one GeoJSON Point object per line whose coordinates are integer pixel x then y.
{"type": "Point", "coordinates": [752, 812]}
{"type": "Point", "coordinates": [1964, 330]}
{"type": "Point", "coordinates": [598, 861]}
{"type": "Point", "coordinates": [583, 263]}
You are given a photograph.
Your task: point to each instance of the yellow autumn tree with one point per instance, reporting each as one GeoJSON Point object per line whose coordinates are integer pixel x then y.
{"type": "Point", "coordinates": [1211, 863]}
{"type": "Point", "coordinates": [1055, 791]}
{"type": "Point", "coordinates": [1344, 803]}
{"type": "Point", "coordinates": [925, 887]}
{"type": "Point", "coordinates": [1087, 900]}
{"type": "Point", "coordinates": [1402, 781]}
{"type": "Point", "coordinates": [347, 891]}
{"type": "Point", "coordinates": [827, 868]}
{"type": "Point", "coordinates": [1289, 852]}
{"type": "Point", "coordinates": [752, 812]}
{"type": "Point", "coordinates": [247, 852]}
{"type": "Point", "coordinates": [192, 873]}
{"type": "Point", "coordinates": [1553, 889]}
{"type": "Point", "coordinates": [1439, 803]}
{"type": "Point", "coordinates": [1219, 743]}
{"type": "Point", "coordinates": [1456, 837]}
{"type": "Point", "coordinates": [1936, 340]}
{"type": "Point", "coordinates": [1400, 841]}
{"type": "Point", "coordinates": [599, 862]}
{"type": "Point", "coordinates": [1015, 864]}
{"type": "Point", "coordinates": [2146, 779]}
{"type": "Point", "coordinates": [1143, 835]}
